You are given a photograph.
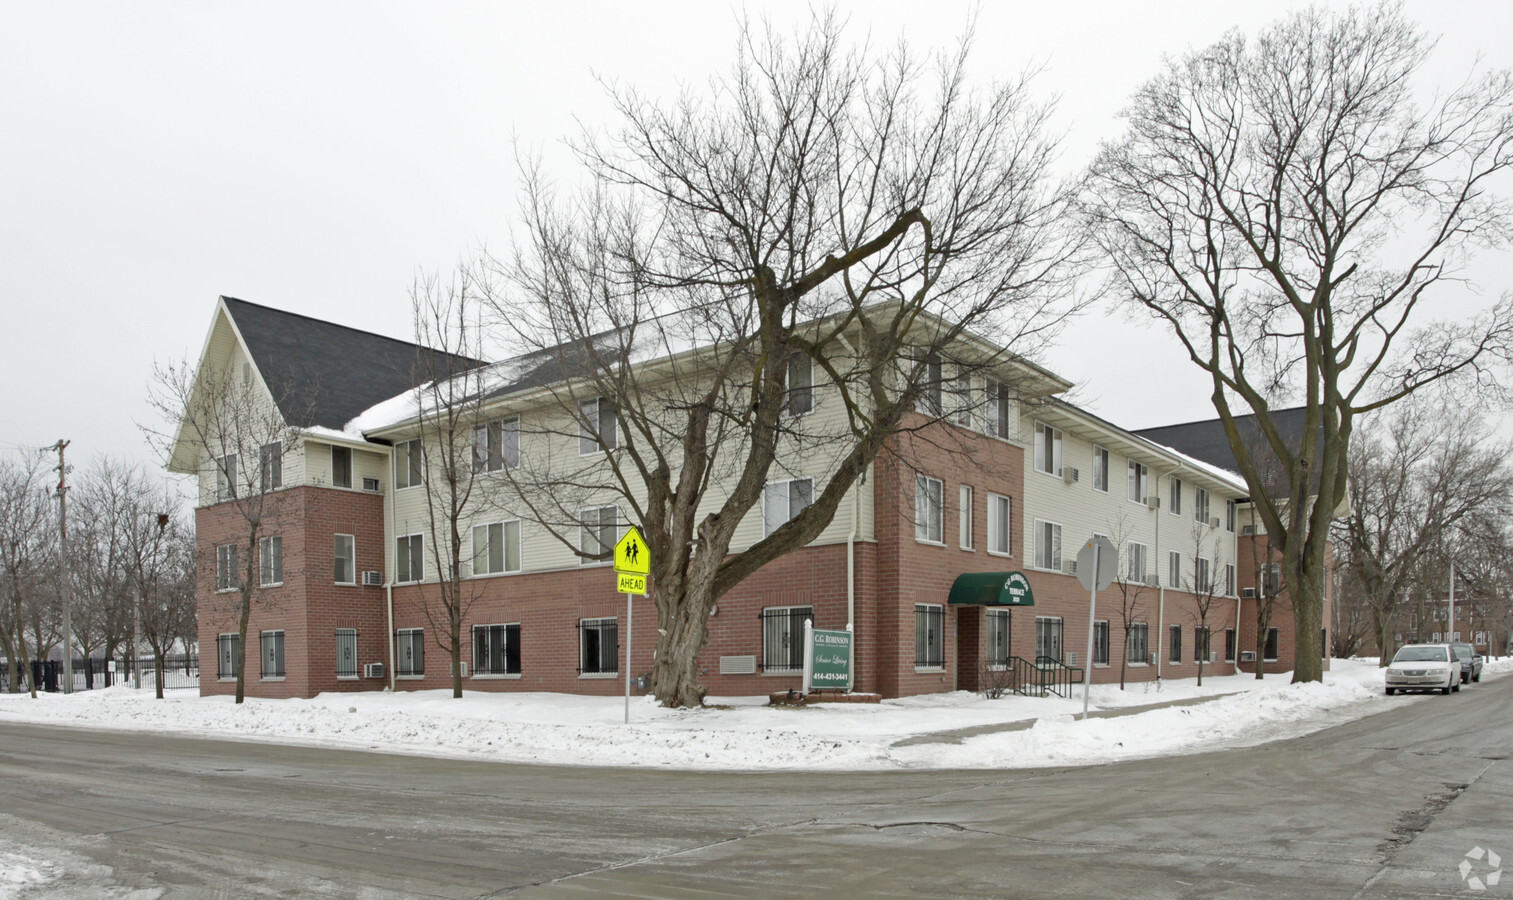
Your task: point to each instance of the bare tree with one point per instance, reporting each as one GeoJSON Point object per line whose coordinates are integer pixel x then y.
{"type": "Point", "coordinates": [160, 559]}
{"type": "Point", "coordinates": [108, 495]}
{"type": "Point", "coordinates": [235, 430]}
{"type": "Point", "coordinates": [1206, 589]}
{"type": "Point", "coordinates": [1129, 583]}
{"type": "Point", "coordinates": [821, 231]}
{"type": "Point", "coordinates": [1287, 206]}
{"type": "Point", "coordinates": [26, 550]}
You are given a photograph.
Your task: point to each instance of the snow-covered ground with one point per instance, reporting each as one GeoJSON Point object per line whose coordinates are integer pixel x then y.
{"type": "Point", "coordinates": [744, 733]}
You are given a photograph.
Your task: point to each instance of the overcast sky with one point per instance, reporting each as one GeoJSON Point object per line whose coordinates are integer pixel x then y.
{"type": "Point", "coordinates": [315, 157]}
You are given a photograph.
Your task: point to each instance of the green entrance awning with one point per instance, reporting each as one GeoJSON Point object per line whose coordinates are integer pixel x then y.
{"type": "Point", "coordinates": [992, 589]}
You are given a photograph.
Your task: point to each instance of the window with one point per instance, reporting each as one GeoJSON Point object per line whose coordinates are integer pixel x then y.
{"type": "Point", "coordinates": [345, 552]}
{"type": "Point", "coordinates": [407, 462]}
{"type": "Point", "coordinates": [1137, 554]}
{"type": "Point", "coordinates": [496, 445]}
{"type": "Point", "coordinates": [1174, 652]}
{"type": "Point", "coordinates": [410, 652]}
{"type": "Point", "coordinates": [997, 409]}
{"type": "Point", "coordinates": [1229, 516]}
{"type": "Point", "coordinates": [1229, 580]}
{"type": "Point", "coordinates": [800, 384]}
{"type": "Point", "coordinates": [1201, 584]}
{"type": "Point", "coordinates": [783, 637]}
{"type": "Point", "coordinates": [598, 426]}
{"type": "Point", "coordinates": [1271, 580]}
{"type": "Point", "coordinates": [1229, 645]}
{"type": "Point", "coordinates": [598, 646]}
{"type": "Point", "coordinates": [1047, 545]}
{"type": "Point", "coordinates": [782, 500]}
{"type": "Point", "coordinates": [597, 533]}
{"type": "Point", "coordinates": [1200, 505]}
{"type": "Point", "coordinates": [1272, 642]}
{"type": "Point", "coordinates": [496, 548]}
{"type": "Point", "coordinates": [1173, 569]}
{"type": "Point", "coordinates": [346, 653]}
{"type": "Point", "coordinates": [225, 568]}
{"type": "Point", "coordinates": [270, 558]}
{"type": "Point", "coordinates": [929, 509]}
{"type": "Point", "coordinates": [341, 467]}
{"type": "Point", "coordinates": [1047, 638]}
{"type": "Point", "coordinates": [1137, 643]}
{"type": "Point", "coordinates": [961, 396]}
{"type": "Point", "coordinates": [1100, 469]}
{"type": "Point", "coordinates": [410, 558]}
{"type": "Point", "coordinates": [964, 512]}
{"type": "Point", "coordinates": [929, 635]}
{"type": "Point", "coordinates": [1174, 499]}
{"type": "Point", "coordinates": [998, 526]}
{"type": "Point", "coordinates": [1000, 623]}
{"type": "Point", "coordinates": [272, 475]}
{"type": "Point", "coordinates": [225, 477]}
{"type": "Point", "coordinates": [929, 394]}
{"type": "Point", "coordinates": [1200, 643]}
{"type": "Point", "coordinates": [228, 655]}
{"type": "Point", "coordinates": [272, 654]}
{"type": "Point", "coordinates": [1047, 449]}
{"type": "Point", "coordinates": [1100, 642]}
{"type": "Point", "coordinates": [1138, 479]}
{"type": "Point", "coordinates": [496, 649]}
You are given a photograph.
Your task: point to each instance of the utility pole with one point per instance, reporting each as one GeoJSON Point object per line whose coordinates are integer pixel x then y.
{"type": "Point", "coordinates": [63, 585]}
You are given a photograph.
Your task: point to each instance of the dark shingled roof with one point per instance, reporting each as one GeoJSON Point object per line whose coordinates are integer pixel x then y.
{"type": "Point", "coordinates": [1206, 441]}
{"type": "Point", "coordinates": [324, 374]}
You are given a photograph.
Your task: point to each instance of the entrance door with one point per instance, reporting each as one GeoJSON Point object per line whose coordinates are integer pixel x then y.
{"type": "Point", "coordinates": [1048, 637]}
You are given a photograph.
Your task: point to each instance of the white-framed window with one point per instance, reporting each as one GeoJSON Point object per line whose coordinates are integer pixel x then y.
{"type": "Point", "coordinates": [929, 509]}
{"type": "Point", "coordinates": [933, 370]}
{"type": "Point", "coordinates": [408, 459]}
{"type": "Point", "coordinates": [1229, 580]}
{"type": "Point", "coordinates": [1047, 545]}
{"type": "Point", "coordinates": [598, 646]}
{"type": "Point", "coordinates": [1274, 645]}
{"type": "Point", "coordinates": [1173, 569]}
{"type": "Point", "coordinates": [1271, 580]}
{"type": "Point", "coordinates": [1230, 640]}
{"type": "Point", "coordinates": [344, 558]}
{"type": "Point", "coordinates": [999, 525]}
{"type": "Point", "coordinates": [1201, 638]}
{"type": "Point", "coordinates": [1229, 516]}
{"type": "Point", "coordinates": [964, 512]}
{"type": "Point", "coordinates": [1137, 644]}
{"type": "Point", "coordinates": [410, 652]}
{"type": "Point", "coordinates": [996, 408]}
{"type": "Point", "coordinates": [1174, 650]}
{"type": "Point", "coordinates": [598, 530]}
{"type": "Point", "coordinates": [1100, 468]}
{"type": "Point", "coordinates": [272, 474]}
{"type": "Point", "coordinates": [346, 653]}
{"type": "Point", "coordinates": [270, 561]}
{"type": "Point", "coordinates": [228, 655]}
{"type": "Point", "coordinates": [496, 445]}
{"type": "Point", "coordinates": [225, 477]}
{"type": "Point", "coordinates": [410, 558]}
{"type": "Point", "coordinates": [1048, 638]}
{"type": "Point", "coordinates": [496, 548]}
{"type": "Point", "coordinates": [496, 649]}
{"type": "Point", "coordinates": [1201, 582]}
{"type": "Point", "coordinates": [272, 646]}
{"type": "Point", "coordinates": [782, 500]}
{"type": "Point", "coordinates": [1000, 635]}
{"type": "Point", "coordinates": [959, 396]}
{"type": "Point", "coordinates": [598, 426]}
{"type": "Point", "coordinates": [341, 467]}
{"type": "Point", "coordinates": [1200, 505]}
{"type": "Point", "coordinates": [1100, 642]}
{"type": "Point", "coordinates": [1174, 495]}
{"type": "Point", "coordinates": [800, 384]}
{"type": "Point", "coordinates": [227, 576]}
{"type": "Point", "coordinates": [1137, 477]}
{"type": "Point", "coordinates": [783, 637]}
{"type": "Point", "coordinates": [1137, 556]}
{"type": "Point", "coordinates": [929, 635]}
{"type": "Point", "coordinates": [1047, 449]}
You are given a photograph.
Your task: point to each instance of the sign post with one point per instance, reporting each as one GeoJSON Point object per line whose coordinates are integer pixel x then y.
{"type": "Point", "coordinates": [632, 565]}
{"type": "Point", "coordinates": [1097, 563]}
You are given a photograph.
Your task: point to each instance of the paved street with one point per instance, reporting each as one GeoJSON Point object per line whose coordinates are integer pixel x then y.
{"type": "Point", "coordinates": [1384, 807]}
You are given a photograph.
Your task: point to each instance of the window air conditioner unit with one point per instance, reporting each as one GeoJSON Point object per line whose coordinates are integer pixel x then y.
{"type": "Point", "coordinates": [373, 578]}
{"type": "Point", "coordinates": [1247, 529]}
{"type": "Point", "coordinates": [1069, 566]}
{"type": "Point", "coordinates": [373, 670]}
{"type": "Point", "coordinates": [1247, 656]}
{"type": "Point", "coordinates": [463, 666]}
{"type": "Point", "coordinates": [1153, 501]}
{"type": "Point", "coordinates": [370, 484]}
{"type": "Point", "coordinates": [1151, 660]}
{"type": "Point", "coordinates": [1070, 475]}
{"type": "Point", "coordinates": [1248, 593]}
{"type": "Point", "coordinates": [1213, 523]}
{"type": "Point", "coordinates": [1213, 656]}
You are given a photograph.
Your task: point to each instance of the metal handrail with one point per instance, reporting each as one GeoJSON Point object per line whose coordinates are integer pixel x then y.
{"type": "Point", "coordinates": [1046, 675]}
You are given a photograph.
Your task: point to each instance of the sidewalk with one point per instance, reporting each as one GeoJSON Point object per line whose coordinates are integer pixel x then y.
{"type": "Point", "coordinates": [957, 735]}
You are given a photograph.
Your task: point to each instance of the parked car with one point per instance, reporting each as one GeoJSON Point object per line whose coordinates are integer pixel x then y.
{"type": "Point", "coordinates": [1470, 662]}
{"type": "Point", "coordinates": [1424, 667]}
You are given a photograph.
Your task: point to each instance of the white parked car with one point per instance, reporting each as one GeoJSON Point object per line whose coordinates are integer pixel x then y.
{"type": "Point", "coordinates": [1424, 667]}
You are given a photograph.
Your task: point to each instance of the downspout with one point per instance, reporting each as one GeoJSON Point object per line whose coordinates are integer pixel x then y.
{"type": "Point", "coordinates": [856, 516]}
{"type": "Point", "coordinates": [389, 577]}
{"type": "Point", "coordinates": [1160, 596]}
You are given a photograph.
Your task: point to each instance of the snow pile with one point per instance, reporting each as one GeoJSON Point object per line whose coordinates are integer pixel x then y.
{"type": "Point", "coordinates": [20, 870]}
{"type": "Point", "coordinates": [744, 733]}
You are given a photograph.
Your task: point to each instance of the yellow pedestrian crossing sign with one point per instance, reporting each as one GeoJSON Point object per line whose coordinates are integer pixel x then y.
{"type": "Point", "coordinates": [631, 555]}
